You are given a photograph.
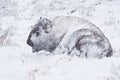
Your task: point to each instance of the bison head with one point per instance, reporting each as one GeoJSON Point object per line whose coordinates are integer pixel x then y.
{"type": "Point", "coordinates": [42, 36]}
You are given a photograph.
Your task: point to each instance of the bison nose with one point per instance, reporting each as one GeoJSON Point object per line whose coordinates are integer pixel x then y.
{"type": "Point", "coordinates": [29, 42]}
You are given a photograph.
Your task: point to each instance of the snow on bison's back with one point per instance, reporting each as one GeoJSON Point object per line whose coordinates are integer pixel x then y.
{"type": "Point", "coordinates": [83, 36]}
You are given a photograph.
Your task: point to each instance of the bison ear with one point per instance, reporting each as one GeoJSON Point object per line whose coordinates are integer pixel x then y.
{"type": "Point", "coordinates": [40, 17]}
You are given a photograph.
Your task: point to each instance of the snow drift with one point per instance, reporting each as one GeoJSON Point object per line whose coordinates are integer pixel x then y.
{"type": "Point", "coordinates": [18, 63]}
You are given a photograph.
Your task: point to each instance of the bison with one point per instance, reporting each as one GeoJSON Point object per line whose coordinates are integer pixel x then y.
{"type": "Point", "coordinates": [71, 35]}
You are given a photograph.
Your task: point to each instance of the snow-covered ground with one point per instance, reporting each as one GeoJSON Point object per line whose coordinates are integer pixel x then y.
{"type": "Point", "coordinates": [17, 62]}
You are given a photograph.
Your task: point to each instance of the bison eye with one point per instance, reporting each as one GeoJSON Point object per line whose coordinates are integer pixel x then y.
{"type": "Point", "coordinates": [37, 33]}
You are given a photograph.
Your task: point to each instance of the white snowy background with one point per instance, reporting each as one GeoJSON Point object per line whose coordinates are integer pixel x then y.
{"type": "Point", "coordinates": [17, 62]}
